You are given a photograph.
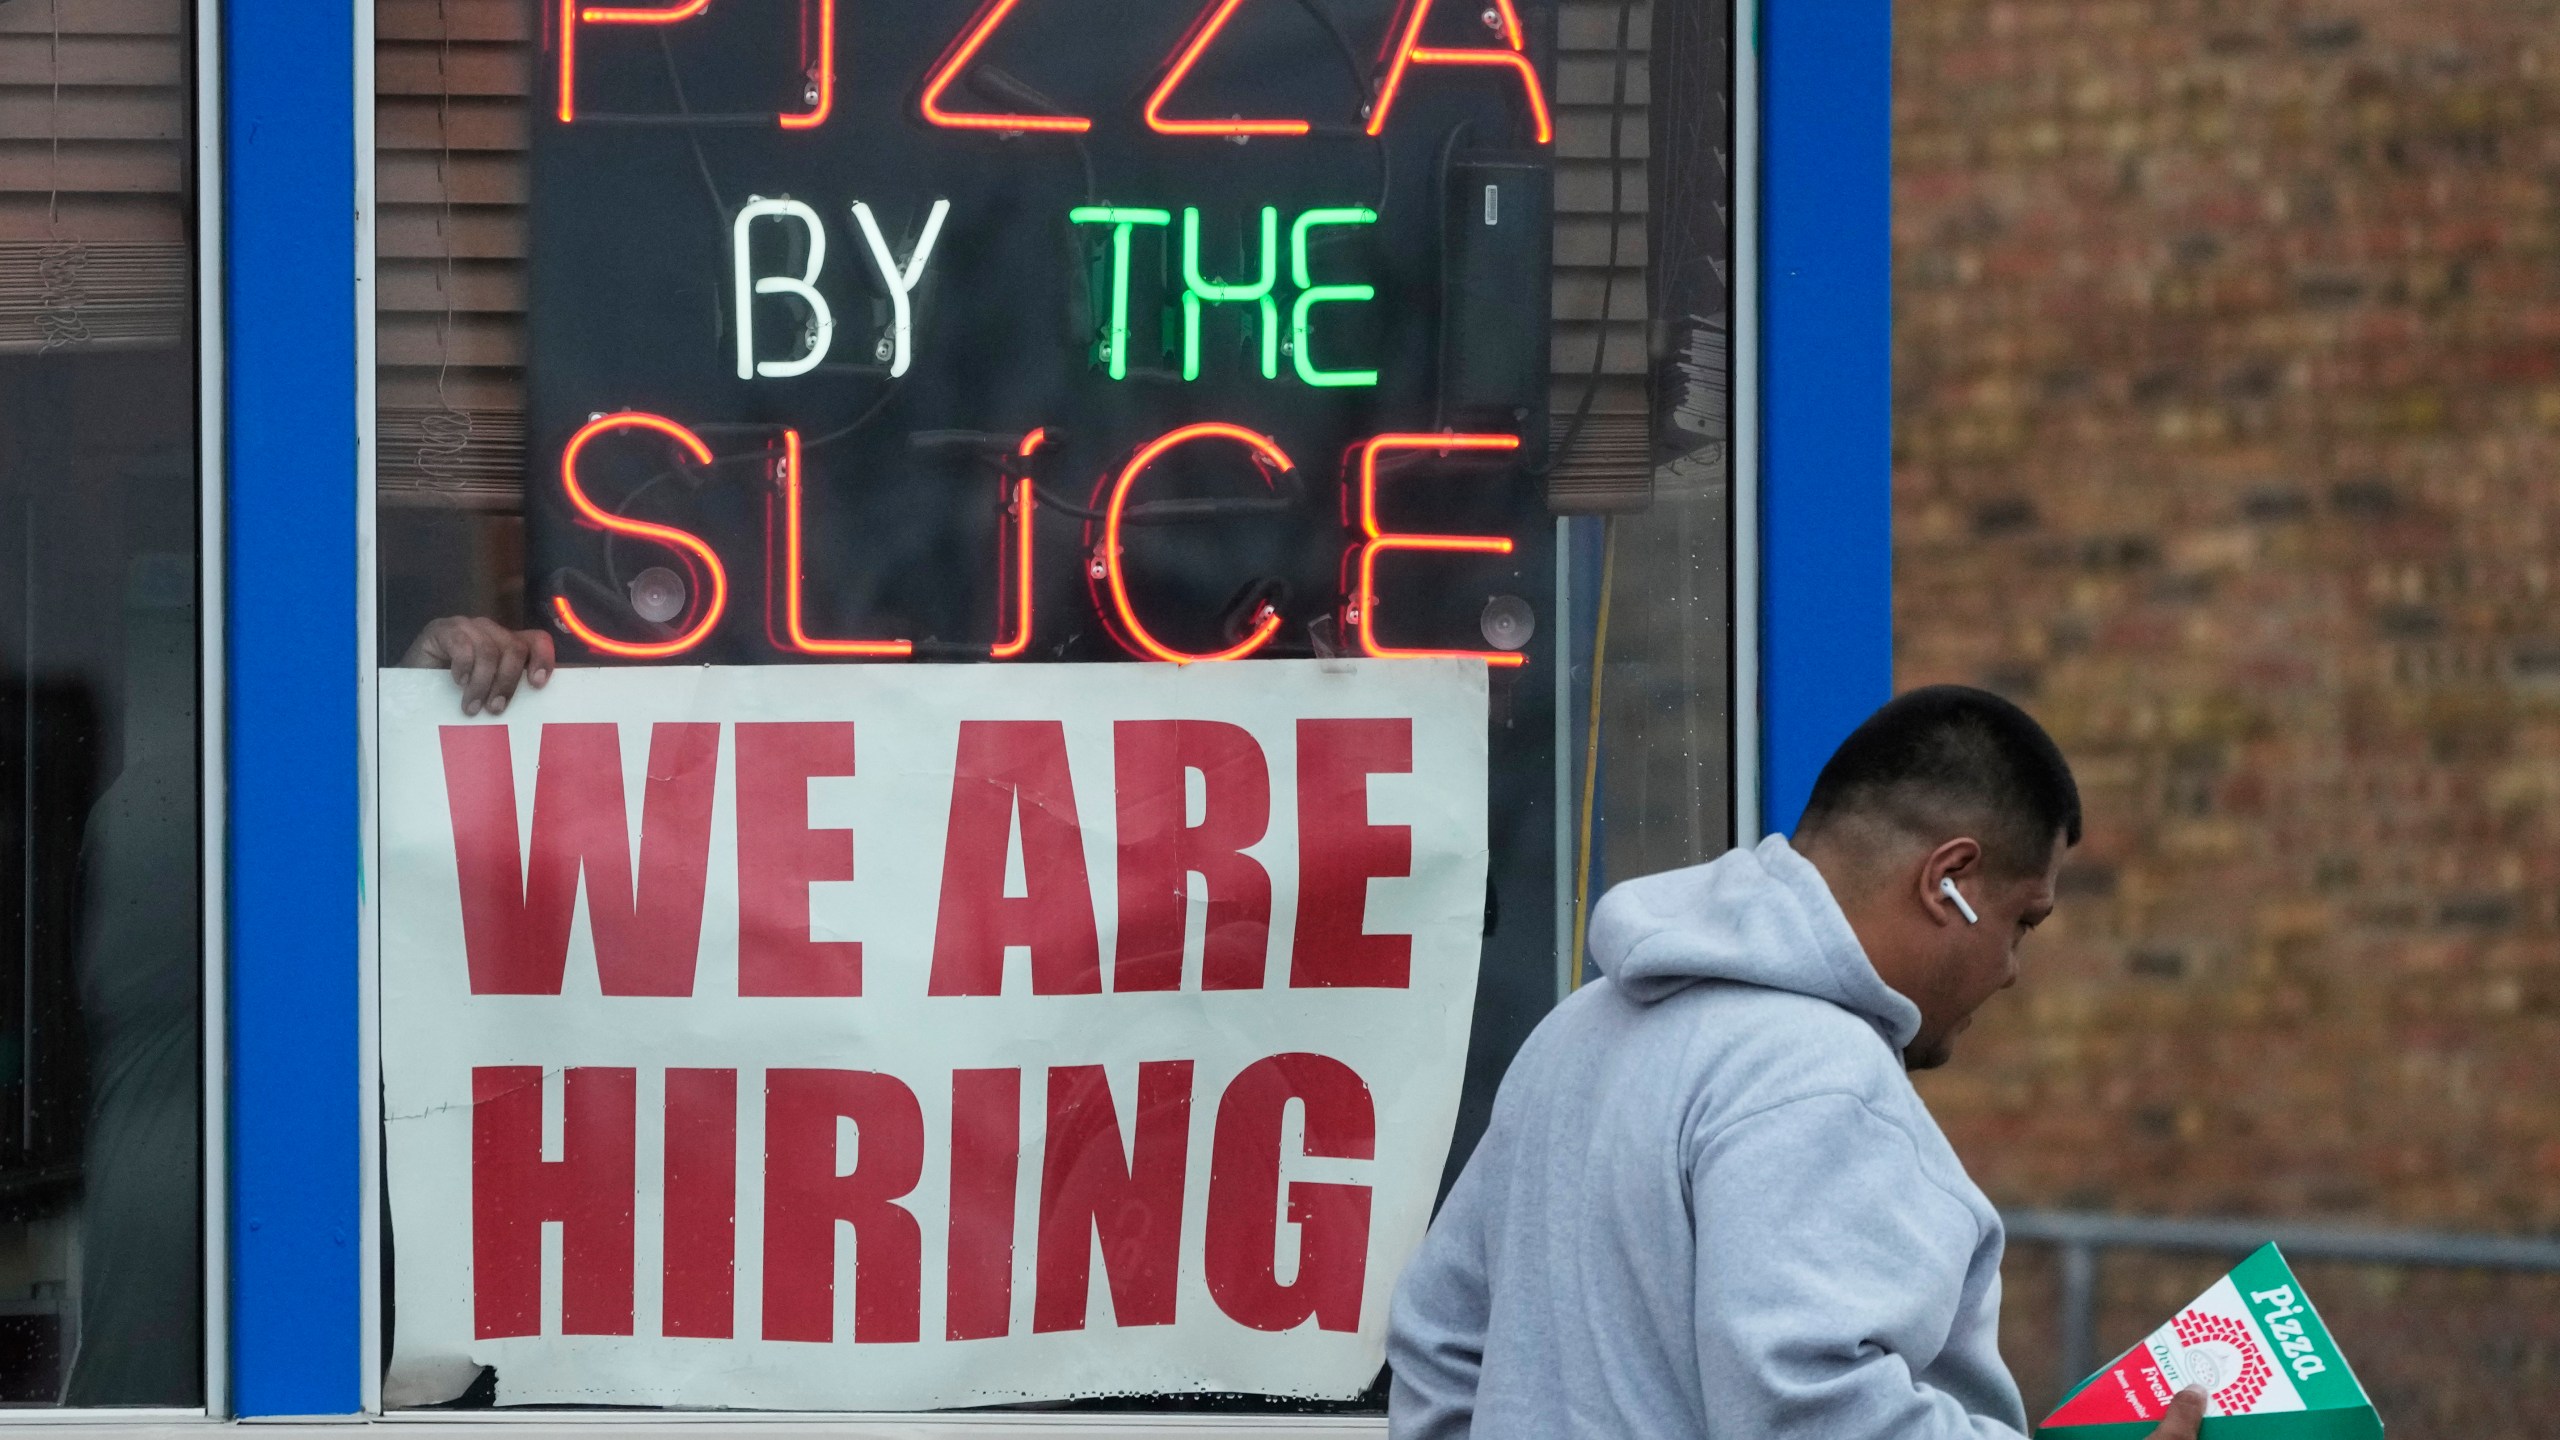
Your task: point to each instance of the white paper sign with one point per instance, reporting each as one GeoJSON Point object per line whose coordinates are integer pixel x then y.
{"type": "Point", "coordinates": [888, 1037]}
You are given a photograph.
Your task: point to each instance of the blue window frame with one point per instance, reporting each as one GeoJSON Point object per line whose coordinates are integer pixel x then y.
{"type": "Point", "coordinates": [297, 616]}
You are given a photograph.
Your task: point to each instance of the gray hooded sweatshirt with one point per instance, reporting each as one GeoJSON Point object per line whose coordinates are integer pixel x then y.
{"type": "Point", "coordinates": [1709, 1203]}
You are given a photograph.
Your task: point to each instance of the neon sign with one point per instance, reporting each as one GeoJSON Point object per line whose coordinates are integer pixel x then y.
{"type": "Point", "coordinates": [1402, 50]}
{"type": "Point", "coordinates": [818, 68]}
{"type": "Point", "coordinates": [688, 547]}
{"type": "Point", "coordinates": [1202, 36]}
{"type": "Point", "coordinates": [996, 330]}
{"type": "Point", "coordinates": [965, 49]}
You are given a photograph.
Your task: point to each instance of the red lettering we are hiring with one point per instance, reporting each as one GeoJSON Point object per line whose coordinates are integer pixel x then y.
{"type": "Point", "coordinates": [1013, 791]}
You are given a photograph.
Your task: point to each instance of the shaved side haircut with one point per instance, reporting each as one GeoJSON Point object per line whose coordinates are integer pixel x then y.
{"type": "Point", "coordinates": [1945, 761]}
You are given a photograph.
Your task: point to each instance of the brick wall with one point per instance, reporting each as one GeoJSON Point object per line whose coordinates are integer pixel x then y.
{"type": "Point", "coordinates": [2228, 440]}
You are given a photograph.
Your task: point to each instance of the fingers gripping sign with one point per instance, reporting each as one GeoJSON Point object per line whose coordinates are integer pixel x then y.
{"type": "Point", "coordinates": [487, 659]}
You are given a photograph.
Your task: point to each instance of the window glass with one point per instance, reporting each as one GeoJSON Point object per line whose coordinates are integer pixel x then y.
{"type": "Point", "coordinates": [101, 1222]}
{"type": "Point", "coordinates": [1014, 392]}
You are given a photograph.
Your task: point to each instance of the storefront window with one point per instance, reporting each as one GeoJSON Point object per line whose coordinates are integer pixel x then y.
{"type": "Point", "coordinates": [101, 1221]}
{"type": "Point", "coordinates": [1059, 570]}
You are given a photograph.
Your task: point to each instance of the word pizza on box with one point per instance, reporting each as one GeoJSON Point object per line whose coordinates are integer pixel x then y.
{"type": "Point", "coordinates": [1033, 1033]}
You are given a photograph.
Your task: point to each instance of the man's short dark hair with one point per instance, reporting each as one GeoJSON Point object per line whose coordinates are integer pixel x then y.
{"type": "Point", "coordinates": [1949, 760]}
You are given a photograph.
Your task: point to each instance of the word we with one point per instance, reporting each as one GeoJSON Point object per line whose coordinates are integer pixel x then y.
{"type": "Point", "coordinates": [1402, 47]}
{"type": "Point", "coordinates": [1124, 1186]}
{"type": "Point", "coordinates": [1012, 793]}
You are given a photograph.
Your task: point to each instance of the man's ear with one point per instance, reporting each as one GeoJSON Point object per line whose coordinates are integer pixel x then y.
{"type": "Point", "coordinates": [1959, 861]}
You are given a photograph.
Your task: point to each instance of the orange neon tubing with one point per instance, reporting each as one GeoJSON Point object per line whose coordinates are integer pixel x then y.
{"type": "Point", "coordinates": [568, 61]}
{"type": "Point", "coordinates": [792, 627]}
{"type": "Point", "coordinates": [608, 15]}
{"type": "Point", "coordinates": [825, 73]}
{"type": "Point", "coordinates": [1138, 634]}
{"type": "Point", "coordinates": [666, 535]}
{"type": "Point", "coordinates": [571, 15]}
{"type": "Point", "coordinates": [1200, 41]}
{"type": "Point", "coordinates": [1022, 502]}
{"type": "Point", "coordinates": [964, 50]}
{"type": "Point", "coordinates": [1410, 51]}
{"type": "Point", "coordinates": [1381, 541]}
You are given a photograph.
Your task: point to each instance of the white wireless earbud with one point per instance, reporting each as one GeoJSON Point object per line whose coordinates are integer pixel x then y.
{"type": "Point", "coordinates": [1947, 887]}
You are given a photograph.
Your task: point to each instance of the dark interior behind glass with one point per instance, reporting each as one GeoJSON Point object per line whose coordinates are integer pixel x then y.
{"type": "Point", "coordinates": [501, 335]}
{"type": "Point", "coordinates": [101, 969]}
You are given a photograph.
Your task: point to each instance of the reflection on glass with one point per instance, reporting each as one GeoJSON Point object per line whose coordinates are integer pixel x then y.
{"type": "Point", "coordinates": [101, 1263]}
{"type": "Point", "coordinates": [517, 314]}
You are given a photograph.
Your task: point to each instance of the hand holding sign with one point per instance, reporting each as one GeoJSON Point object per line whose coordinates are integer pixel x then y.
{"type": "Point", "coordinates": [487, 659]}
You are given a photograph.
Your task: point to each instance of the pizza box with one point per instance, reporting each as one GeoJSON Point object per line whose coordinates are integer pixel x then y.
{"type": "Point", "coordinates": [2269, 1367]}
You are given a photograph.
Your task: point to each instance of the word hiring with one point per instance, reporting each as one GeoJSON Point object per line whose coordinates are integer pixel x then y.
{"type": "Point", "coordinates": [899, 279]}
{"type": "Point", "coordinates": [1126, 1186]}
{"type": "Point", "coordinates": [1012, 793]}
{"type": "Point", "coordinates": [1107, 565]}
{"type": "Point", "coordinates": [1402, 49]}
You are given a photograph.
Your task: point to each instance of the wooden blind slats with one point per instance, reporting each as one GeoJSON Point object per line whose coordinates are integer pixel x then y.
{"type": "Point", "coordinates": [422, 233]}
{"type": "Point", "coordinates": [93, 17]}
{"type": "Point", "coordinates": [432, 69]}
{"type": "Point", "coordinates": [432, 22]}
{"type": "Point", "coordinates": [84, 60]}
{"type": "Point", "coordinates": [461, 339]}
{"type": "Point", "coordinates": [1584, 131]}
{"type": "Point", "coordinates": [93, 167]}
{"type": "Point", "coordinates": [451, 128]}
{"type": "Point", "coordinates": [485, 289]}
{"type": "Point", "coordinates": [405, 123]}
{"type": "Point", "coordinates": [93, 114]}
{"type": "Point", "coordinates": [411, 178]}
{"type": "Point", "coordinates": [1610, 463]}
{"type": "Point", "coordinates": [71, 294]}
{"type": "Point", "coordinates": [94, 123]}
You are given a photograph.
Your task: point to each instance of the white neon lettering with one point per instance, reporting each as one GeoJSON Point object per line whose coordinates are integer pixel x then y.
{"type": "Point", "coordinates": [822, 321]}
{"type": "Point", "coordinates": [901, 281]}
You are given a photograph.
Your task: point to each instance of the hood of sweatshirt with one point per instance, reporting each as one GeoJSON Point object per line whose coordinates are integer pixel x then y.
{"type": "Point", "coordinates": [1762, 916]}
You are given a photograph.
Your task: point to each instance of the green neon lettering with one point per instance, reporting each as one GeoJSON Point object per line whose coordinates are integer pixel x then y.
{"type": "Point", "coordinates": [1199, 291]}
{"type": "Point", "coordinates": [1122, 219]}
{"type": "Point", "coordinates": [1311, 295]}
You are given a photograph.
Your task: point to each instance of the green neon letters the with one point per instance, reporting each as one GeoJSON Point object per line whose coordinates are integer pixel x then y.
{"type": "Point", "coordinates": [1122, 219]}
{"type": "Point", "coordinates": [1199, 291]}
{"type": "Point", "coordinates": [1311, 295]}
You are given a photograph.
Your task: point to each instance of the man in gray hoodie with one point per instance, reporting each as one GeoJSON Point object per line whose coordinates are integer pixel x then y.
{"type": "Point", "coordinates": [1710, 1203]}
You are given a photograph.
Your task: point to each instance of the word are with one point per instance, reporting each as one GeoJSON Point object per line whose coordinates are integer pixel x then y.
{"type": "Point", "coordinates": [1013, 793]}
{"type": "Point", "coordinates": [1402, 47]}
{"type": "Point", "coordinates": [1373, 543]}
{"type": "Point", "coordinates": [1124, 1185]}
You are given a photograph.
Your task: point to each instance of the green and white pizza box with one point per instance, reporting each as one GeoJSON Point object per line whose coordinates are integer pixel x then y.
{"type": "Point", "coordinates": [2269, 1368]}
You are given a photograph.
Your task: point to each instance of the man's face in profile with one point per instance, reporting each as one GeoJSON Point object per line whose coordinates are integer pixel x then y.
{"type": "Point", "coordinates": [1981, 960]}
